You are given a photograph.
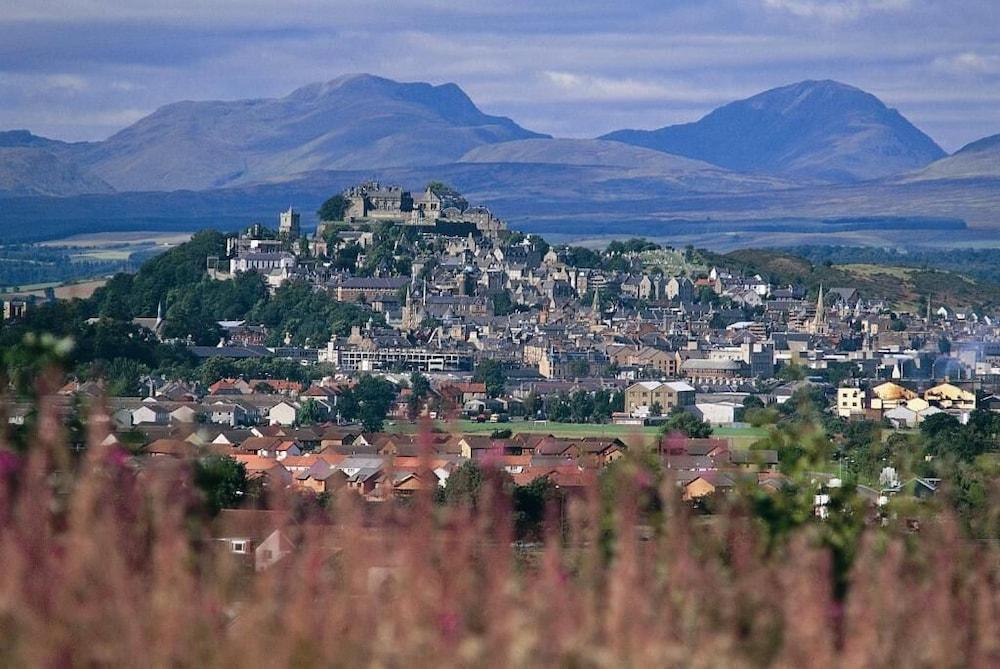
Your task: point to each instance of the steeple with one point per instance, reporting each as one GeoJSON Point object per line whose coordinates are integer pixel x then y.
{"type": "Point", "coordinates": [818, 320]}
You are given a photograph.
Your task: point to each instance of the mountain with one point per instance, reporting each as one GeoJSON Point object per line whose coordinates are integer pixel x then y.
{"type": "Point", "coordinates": [353, 122]}
{"type": "Point", "coordinates": [32, 165]}
{"type": "Point", "coordinates": [618, 163]}
{"type": "Point", "coordinates": [820, 130]}
{"type": "Point", "coordinates": [978, 160]}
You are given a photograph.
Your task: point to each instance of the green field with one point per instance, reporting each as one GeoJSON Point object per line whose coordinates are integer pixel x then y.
{"type": "Point", "coordinates": [740, 437]}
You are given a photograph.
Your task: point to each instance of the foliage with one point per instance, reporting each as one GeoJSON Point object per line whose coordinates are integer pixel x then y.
{"type": "Point", "coordinates": [368, 402]}
{"type": "Point", "coordinates": [333, 209]}
{"type": "Point", "coordinates": [687, 424]}
{"type": "Point", "coordinates": [308, 316]}
{"type": "Point", "coordinates": [221, 480]}
{"type": "Point", "coordinates": [491, 373]}
{"type": "Point", "coordinates": [448, 195]}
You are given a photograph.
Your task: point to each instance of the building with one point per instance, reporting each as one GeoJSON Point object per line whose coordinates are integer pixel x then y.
{"type": "Point", "coordinates": [710, 371]}
{"type": "Point", "coordinates": [416, 359]}
{"type": "Point", "coordinates": [369, 289]}
{"type": "Point", "coordinates": [850, 402]}
{"type": "Point", "coordinates": [640, 397]}
{"type": "Point", "coordinates": [288, 224]}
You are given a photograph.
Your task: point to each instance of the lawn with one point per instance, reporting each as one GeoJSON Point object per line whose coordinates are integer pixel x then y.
{"type": "Point", "coordinates": [740, 437]}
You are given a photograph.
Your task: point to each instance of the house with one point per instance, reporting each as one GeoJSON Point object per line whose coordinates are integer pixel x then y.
{"type": "Point", "coordinates": [851, 402]}
{"type": "Point", "coordinates": [150, 413]}
{"type": "Point", "coordinates": [640, 397]}
{"type": "Point", "coordinates": [183, 414]}
{"type": "Point", "coordinates": [949, 396]}
{"type": "Point", "coordinates": [706, 484]}
{"type": "Point", "coordinates": [889, 395]}
{"type": "Point", "coordinates": [173, 448]}
{"type": "Point", "coordinates": [256, 537]}
{"type": "Point", "coordinates": [283, 413]}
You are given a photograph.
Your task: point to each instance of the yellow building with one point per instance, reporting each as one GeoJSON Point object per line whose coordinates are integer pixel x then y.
{"type": "Point", "coordinates": [890, 395]}
{"type": "Point", "coordinates": [640, 397]}
{"type": "Point", "coordinates": [948, 396]}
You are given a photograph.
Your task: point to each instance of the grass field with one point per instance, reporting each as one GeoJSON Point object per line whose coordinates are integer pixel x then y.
{"type": "Point", "coordinates": [63, 291]}
{"type": "Point", "coordinates": [739, 437]}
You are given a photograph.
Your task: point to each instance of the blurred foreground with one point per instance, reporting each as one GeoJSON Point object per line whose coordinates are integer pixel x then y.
{"type": "Point", "coordinates": [109, 564]}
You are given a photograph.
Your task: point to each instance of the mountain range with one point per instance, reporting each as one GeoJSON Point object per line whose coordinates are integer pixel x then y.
{"type": "Point", "coordinates": [813, 129]}
{"type": "Point", "coordinates": [816, 146]}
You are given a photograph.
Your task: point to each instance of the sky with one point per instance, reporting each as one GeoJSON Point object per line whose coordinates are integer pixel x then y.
{"type": "Point", "coordinates": [83, 69]}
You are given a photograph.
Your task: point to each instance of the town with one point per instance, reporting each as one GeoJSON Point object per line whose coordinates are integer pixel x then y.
{"type": "Point", "coordinates": [544, 362]}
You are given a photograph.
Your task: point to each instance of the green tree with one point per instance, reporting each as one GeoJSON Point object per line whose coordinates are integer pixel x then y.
{"type": "Point", "coordinates": [530, 503]}
{"type": "Point", "coordinates": [369, 402]}
{"type": "Point", "coordinates": [333, 209]}
{"type": "Point", "coordinates": [688, 424]}
{"type": "Point", "coordinates": [491, 373]}
{"type": "Point", "coordinates": [221, 480]}
{"type": "Point", "coordinates": [464, 484]}
{"type": "Point", "coordinates": [309, 413]}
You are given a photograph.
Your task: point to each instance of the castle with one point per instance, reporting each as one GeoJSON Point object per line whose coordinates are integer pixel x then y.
{"type": "Point", "coordinates": [374, 201]}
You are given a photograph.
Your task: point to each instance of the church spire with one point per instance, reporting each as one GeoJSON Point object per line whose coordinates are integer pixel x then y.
{"type": "Point", "coordinates": [818, 320]}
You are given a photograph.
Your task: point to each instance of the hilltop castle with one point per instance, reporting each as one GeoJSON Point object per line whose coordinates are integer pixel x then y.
{"type": "Point", "coordinates": [373, 200]}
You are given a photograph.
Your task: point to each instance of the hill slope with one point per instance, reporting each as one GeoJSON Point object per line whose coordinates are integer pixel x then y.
{"type": "Point", "coordinates": [33, 165]}
{"type": "Point", "coordinates": [814, 129]}
{"type": "Point", "coordinates": [978, 160]}
{"type": "Point", "coordinates": [618, 162]}
{"type": "Point", "coordinates": [354, 122]}
{"type": "Point", "coordinates": [901, 287]}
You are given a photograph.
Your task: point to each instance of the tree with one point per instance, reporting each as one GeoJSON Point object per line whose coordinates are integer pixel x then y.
{"type": "Point", "coordinates": [369, 402]}
{"type": "Point", "coordinates": [491, 373]}
{"type": "Point", "coordinates": [579, 368]}
{"type": "Point", "coordinates": [309, 413]}
{"type": "Point", "coordinates": [687, 424]}
{"type": "Point", "coordinates": [530, 502]}
{"type": "Point", "coordinates": [464, 484]}
{"type": "Point", "coordinates": [221, 480]}
{"type": "Point", "coordinates": [333, 209]}
{"type": "Point", "coordinates": [656, 409]}
{"type": "Point", "coordinates": [420, 388]}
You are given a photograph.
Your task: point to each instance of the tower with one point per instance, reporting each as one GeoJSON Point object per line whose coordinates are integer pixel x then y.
{"type": "Point", "coordinates": [819, 321]}
{"type": "Point", "coordinates": [288, 224]}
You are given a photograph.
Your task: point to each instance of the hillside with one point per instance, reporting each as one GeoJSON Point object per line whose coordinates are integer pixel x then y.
{"type": "Point", "coordinates": [821, 130]}
{"type": "Point", "coordinates": [355, 122]}
{"type": "Point", "coordinates": [33, 165]}
{"type": "Point", "coordinates": [901, 287]}
{"type": "Point", "coordinates": [624, 162]}
{"type": "Point", "coordinates": [978, 160]}
{"type": "Point", "coordinates": [33, 170]}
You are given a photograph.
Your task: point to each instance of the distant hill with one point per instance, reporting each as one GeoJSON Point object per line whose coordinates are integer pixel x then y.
{"type": "Point", "coordinates": [978, 160]}
{"type": "Point", "coordinates": [811, 130]}
{"type": "Point", "coordinates": [33, 165]}
{"type": "Point", "coordinates": [625, 163]}
{"type": "Point", "coordinates": [901, 287]}
{"type": "Point", "coordinates": [354, 122]}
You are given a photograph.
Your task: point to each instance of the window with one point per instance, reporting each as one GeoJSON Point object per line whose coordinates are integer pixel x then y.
{"type": "Point", "coordinates": [238, 547]}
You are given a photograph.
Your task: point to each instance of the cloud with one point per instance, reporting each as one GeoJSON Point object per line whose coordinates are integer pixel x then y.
{"type": "Point", "coordinates": [836, 10]}
{"type": "Point", "coordinates": [66, 82]}
{"type": "Point", "coordinates": [570, 67]}
{"type": "Point", "coordinates": [967, 63]}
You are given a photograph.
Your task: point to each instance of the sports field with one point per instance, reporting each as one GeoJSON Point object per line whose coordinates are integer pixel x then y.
{"type": "Point", "coordinates": [740, 437]}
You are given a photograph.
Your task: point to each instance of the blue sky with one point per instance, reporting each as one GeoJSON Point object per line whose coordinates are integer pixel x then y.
{"type": "Point", "coordinates": [82, 69]}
